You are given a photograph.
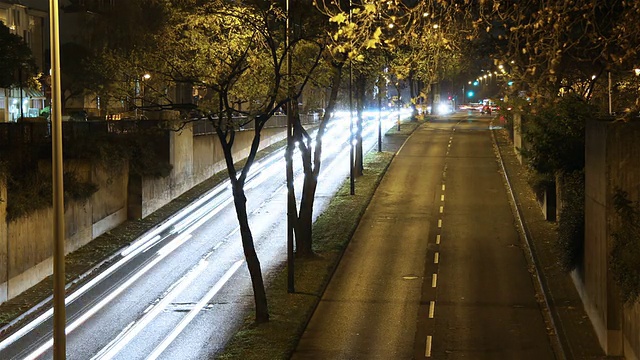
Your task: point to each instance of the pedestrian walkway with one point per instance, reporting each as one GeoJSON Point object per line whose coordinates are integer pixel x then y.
{"type": "Point", "coordinates": [574, 328]}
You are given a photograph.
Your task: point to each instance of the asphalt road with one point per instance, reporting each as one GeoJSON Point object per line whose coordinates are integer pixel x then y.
{"type": "Point", "coordinates": [436, 268]}
{"type": "Point", "coordinates": [181, 291]}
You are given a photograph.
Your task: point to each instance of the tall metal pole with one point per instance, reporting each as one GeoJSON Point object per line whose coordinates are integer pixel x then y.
{"type": "Point", "coordinates": [21, 100]}
{"type": "Point", "coordinates": [59, 316]}
{"type": "Point", "coordinates": [379, 114]}
{"type": "Point", "coordinates": [351, 146]}
{"type": "Point", "coordinates": [289, 161]}
{"type": "Point", "coordinates": [610, 108]}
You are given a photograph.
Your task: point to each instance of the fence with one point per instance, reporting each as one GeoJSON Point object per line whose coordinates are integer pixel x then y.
{"type": "Point", "coordinates": [205, 127]}
{"type": "Point", "coordinates": [15, 135]}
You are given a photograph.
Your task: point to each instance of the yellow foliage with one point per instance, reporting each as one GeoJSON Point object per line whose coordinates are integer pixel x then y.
{"type": "Point", "coordinates": [339, 18]}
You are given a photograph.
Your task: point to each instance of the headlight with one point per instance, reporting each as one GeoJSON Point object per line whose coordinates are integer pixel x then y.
{"type": "Point", "coordinates": [444, 109]}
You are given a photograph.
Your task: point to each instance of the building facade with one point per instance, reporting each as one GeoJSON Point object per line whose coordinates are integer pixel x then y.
{"type": "Point", "coordinates": [28, 23]}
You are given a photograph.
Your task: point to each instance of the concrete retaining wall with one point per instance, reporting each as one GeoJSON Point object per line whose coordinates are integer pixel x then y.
{"type": "Point", "coordinates": [26, 243]}
{"type": "Point", "coordinates": [612, 161]}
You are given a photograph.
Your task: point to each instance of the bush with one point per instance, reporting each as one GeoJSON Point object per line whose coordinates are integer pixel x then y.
{"type": "Point", "coordinates": [570, 242]}
{"type": "Point", "coordinates": [555, 135]}
{"type": "Point", "coordinates": [31, 191]}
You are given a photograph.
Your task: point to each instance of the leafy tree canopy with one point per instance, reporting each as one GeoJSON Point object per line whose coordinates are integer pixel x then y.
{"type": "Point", "coordinates": [15, 59]}
{"type": "Point", "coordinates": [553, 45]}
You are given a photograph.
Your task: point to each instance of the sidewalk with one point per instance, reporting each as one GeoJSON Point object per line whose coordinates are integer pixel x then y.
{"type": "Point", "coordinates": [575, 331]}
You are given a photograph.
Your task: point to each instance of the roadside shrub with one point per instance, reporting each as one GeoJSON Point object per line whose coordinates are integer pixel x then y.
{"type": "Point", "coordinates": [624, 259]}
{"type": "Point", "coordinates": [31, 190]}
{"type": "Point", "coordinates": [570, 244]}
{"type": "Point", "coordinates": [555, 135]}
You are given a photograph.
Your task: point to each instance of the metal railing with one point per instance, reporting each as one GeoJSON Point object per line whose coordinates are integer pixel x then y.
{"type": "Point", "coordinates": [14, 135]}
{"type": "Point", "coordinates": [205, 126]}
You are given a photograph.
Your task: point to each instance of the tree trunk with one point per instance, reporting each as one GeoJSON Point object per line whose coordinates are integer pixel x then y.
{"type": "Point", "coordinates": [226, 135]}
{"type": "Point", "coordinates": [304, 220]}
{"type": "Point", "coordinates": [253, 263]}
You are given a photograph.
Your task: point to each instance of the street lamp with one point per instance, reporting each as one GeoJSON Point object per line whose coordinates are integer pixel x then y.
{"type": "Point", "coordinates": [144, 91]}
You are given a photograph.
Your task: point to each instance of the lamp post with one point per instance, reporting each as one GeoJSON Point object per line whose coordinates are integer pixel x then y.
{"type": "Point", "coordinates": [379, 114]}
{"type": "Point", "coordinates": [352, 185]}
{"type": "Point", "coordinates": [144, 91]}
{"type": "Point", "coordinates": [59, 312]}
{"type": "Point", "coordinates": [21, 100]}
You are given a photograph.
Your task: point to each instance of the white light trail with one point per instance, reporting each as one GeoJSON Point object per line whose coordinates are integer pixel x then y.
{"type": "Point", "coordinates": [196, 309]}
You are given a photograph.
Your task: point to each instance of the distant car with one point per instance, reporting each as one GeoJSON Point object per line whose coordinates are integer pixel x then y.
{"type": "Point", "coordinates": [486, 109]}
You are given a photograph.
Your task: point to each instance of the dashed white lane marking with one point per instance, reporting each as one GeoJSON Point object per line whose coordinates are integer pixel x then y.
{"type": "Point", "coordinates": [442, 197]}
{"type": "Point", "coordinates": [427, 350]}
{"type": "Point", "coordinates": [434, 280]}
{"type": "Point", "coordinates": [438, 239]}
{"type": "Point", "coordinates": [436, 258]}
{"type": "Point", "coordinates": [441, 209]}
{"type": "Point", "coordinates": [439, 223]}
{"type": "Point", "coordinates": [432, 309]}
{"type": "Point", "coordinates": [442, 187]}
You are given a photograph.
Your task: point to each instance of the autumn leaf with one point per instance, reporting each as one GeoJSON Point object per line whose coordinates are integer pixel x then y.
{"type": "Point", "coordinates": [339, 18]}
{"type": "Point", "coordinates": [370, 44]}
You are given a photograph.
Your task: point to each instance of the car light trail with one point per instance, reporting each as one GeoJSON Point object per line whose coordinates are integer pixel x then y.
{"type": "Point", "coordinates": [124, 338]}
{"type": "Point", "coordinates": [84, 317]}
{"type": "Point", "coordinates": [192, 314]}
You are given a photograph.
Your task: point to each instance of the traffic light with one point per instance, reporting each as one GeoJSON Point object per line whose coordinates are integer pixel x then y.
{"type": "Point", "coordinates": [470, 94]}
